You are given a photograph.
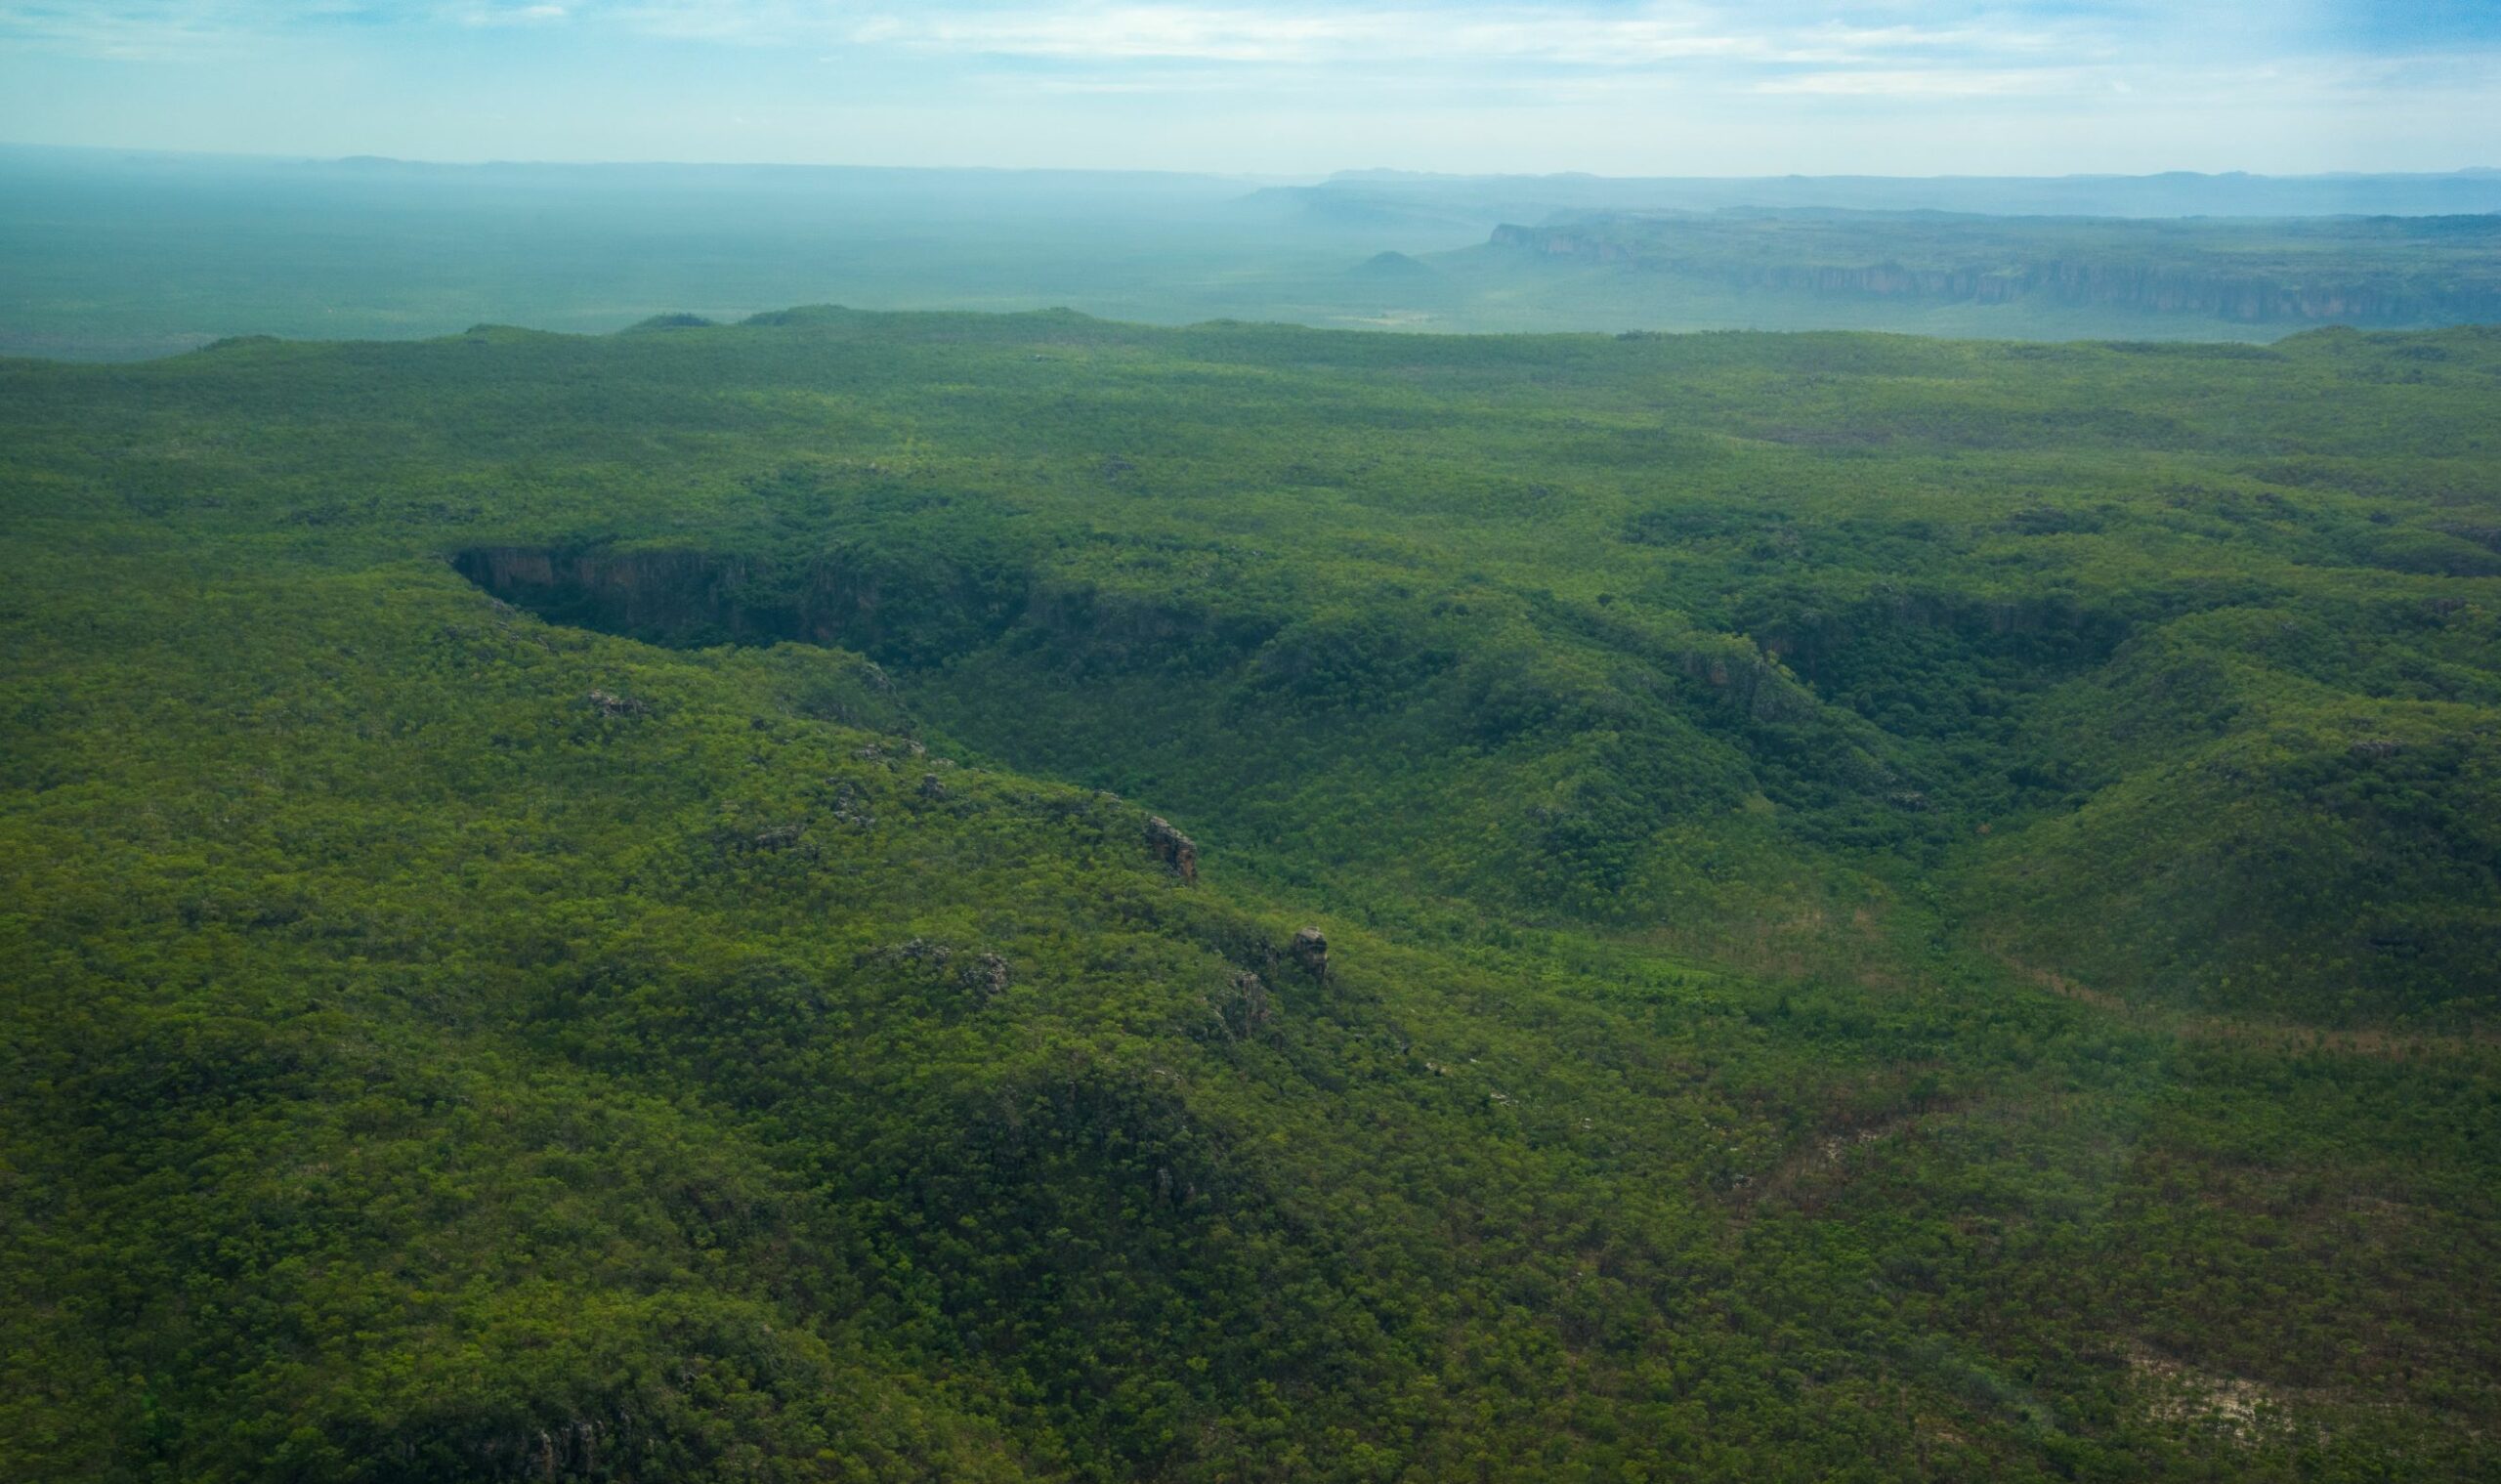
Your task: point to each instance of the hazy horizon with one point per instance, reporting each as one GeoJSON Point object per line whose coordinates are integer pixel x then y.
{"type": "Point", "coordinates": [1226, 742]}
{"type": "Point", "coordinates": [1874, 87]}
{"type": "Point", "coordinates": [1318, 176]}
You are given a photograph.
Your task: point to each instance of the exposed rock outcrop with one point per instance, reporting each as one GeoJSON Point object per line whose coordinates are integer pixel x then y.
{"type": "Point", "coordinates": [1172, 848]}
{"type": "Point", "coordinates": [1309, 951]}
{"type": "Point", "coordinates": [1246, 1010]}
{"type": "Point", "coordinates": [987, 976]}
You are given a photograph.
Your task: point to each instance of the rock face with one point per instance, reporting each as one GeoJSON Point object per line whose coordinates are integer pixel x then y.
{"type": "Point", "coordinates": [901, 613]}
{"type": "Point", "coordinates": [1249, 1010]}
{"type": "Point", "coordinates": [2250, 295]}
{"type": "Point", "coordinates": [1310, 952]}
{"type": "Point", "coordinates": [1172, 848]}
{"type": "Point", "coordinates": [986, 975]}
{"type": "Point", "coordinates": [896, 611]}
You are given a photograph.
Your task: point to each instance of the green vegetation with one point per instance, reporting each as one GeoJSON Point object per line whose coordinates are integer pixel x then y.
{"type": "Point", "coordinates": [586, 908]}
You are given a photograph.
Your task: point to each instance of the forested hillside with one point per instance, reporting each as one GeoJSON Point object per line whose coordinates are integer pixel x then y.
{"type": "Point", "coordinates": [862, 897]}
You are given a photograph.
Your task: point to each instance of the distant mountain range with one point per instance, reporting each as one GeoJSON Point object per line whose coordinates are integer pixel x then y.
{"type": "Point", "coordinates": [2177, 194]}
{"type": "Point", "coordinates": [2382, 270]}
{"type": "Point", "coordinates": [123, 254]}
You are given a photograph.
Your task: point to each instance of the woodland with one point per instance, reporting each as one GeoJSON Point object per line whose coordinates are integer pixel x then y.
{"type": "Point", "coordinates": [856, 896]}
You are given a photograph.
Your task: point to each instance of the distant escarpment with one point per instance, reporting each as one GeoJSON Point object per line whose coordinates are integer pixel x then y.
{"type": "Point", "coordinates": [2152, 268]}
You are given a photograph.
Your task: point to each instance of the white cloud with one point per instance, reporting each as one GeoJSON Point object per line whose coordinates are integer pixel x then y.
{"type": "Point", "coordinates": [1587, 36]}
{"type": "Point", "coordinates": [1406, 32]}
{"type": "Point", "coordinates": [1248, 81]}
{"type": "Point", "coordinates": [496, 14]}
{"type": "Point", "coordinates": [1928, 82]}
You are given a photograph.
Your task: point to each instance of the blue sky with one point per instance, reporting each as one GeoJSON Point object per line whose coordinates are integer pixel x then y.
{"type": "Point", "coordinates": [1671, 88]}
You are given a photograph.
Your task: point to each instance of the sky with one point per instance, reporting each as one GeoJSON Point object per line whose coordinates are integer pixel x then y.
{"type": "Point", "coordinates": [1289, 90]}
